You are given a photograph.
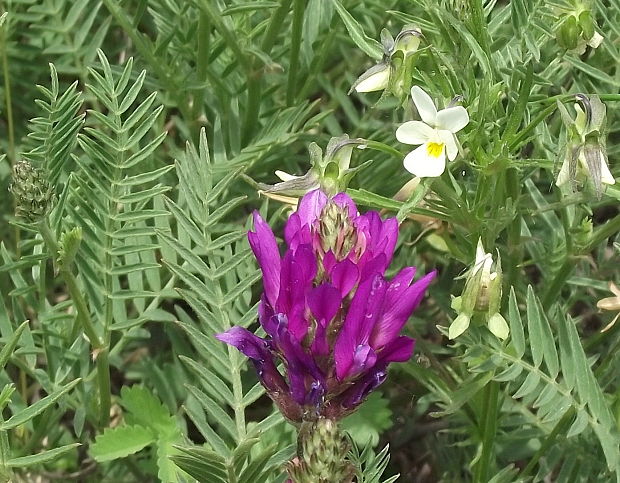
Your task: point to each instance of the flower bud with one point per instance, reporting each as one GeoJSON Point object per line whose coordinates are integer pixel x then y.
{"type": "Point", "coordinates": [481, 297]}
{"type": "Point", "coordinates": [322, 457]}
{"type": "Point", "coordinates": [568, 33]}
{"type": "Point", "coordinates": [34, 196]}
{"type": "Point", "coordinates": [408, 40]}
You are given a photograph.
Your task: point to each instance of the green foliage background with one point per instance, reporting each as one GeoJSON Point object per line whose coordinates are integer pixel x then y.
{"type": "Point", "coordinates": [155, 119]}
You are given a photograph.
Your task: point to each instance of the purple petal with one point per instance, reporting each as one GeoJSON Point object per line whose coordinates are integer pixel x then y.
{"type": "Point", "coordinates": [320, 345]}
{"type": "Point", "coordinates": [364, 357]}
{"type": "Point", "coordinates": [310, 207]}
{"type": "Point", "coordinates": [295, 233]}
{"type": "Point", "coordinates": [324, 302]}
{"type": "Point", "coordinates": [245, 341]}
{"type": "Point", "coordinates": [365, 309]}
{"type": "Point", "coordinates": [298, 270]}
{"type": "Point", "coordinates": [399, 350]}
{"type": "Point", "coordinates": [344, 276]}
{"type": "Point", "coordinates": [265, 248]}
{"type": "Point", "coordinates": [256, 349]}
{"type": "Point", "coordinates": [372, 267]}
{"type": "Point", "coordinates": [301, 368]}
{"type": "Point", "coordinates": [362, 388]}
{"type": "Point", "coordinates": [344, 200]}
{"type": "Point", "coordinates": [329, 260]}
{"type": "Point", "coordinates": [380, 235]}
{"type": "Point", "coordinates": [401, 301]}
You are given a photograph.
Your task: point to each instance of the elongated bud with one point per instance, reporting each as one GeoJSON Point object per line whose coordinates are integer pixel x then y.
{"type": "Point", "coordinates": [322, 454]}
{"type": "Point", "coordinates": [68, 246]}
{"type": "Point", "coordinates": [34, 196]}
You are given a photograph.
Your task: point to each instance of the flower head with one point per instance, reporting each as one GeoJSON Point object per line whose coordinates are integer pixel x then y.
{"type": "Point", "coordinates": [585, 155]}
{"type": "Point", "coordinates": [329, 313]}
{"type": "Point", "coordinates": [435, 133]}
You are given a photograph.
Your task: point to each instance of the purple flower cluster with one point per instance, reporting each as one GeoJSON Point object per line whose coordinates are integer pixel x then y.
{"type": "Point", "coordinates": [329, 314]}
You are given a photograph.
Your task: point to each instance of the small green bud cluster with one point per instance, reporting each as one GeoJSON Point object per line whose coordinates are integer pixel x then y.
{"type": "Point", "coordinates": [577, 29]}
{"type": "Point", "coordinates": [481, 297]}
{"type": "Point", "coordinates": [322, 454]}
{"type": "Point", "coordinates": [34, 196]}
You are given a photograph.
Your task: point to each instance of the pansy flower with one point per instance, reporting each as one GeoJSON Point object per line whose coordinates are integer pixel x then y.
{"type": "Point", "coordinates": [435, 134]}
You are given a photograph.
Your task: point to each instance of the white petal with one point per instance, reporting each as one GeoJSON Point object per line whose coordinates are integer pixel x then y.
{"type": "Point", "coordinates": [606, 176]}
{"type": "Point", "coordinates": [419, 163]}
{"type": "Point", "coordinates": [596, 40]}
{"type": "Point", "coordinates": [425, 105]}
{"type": "Point", "coordinates": [563, 175]}
{"type": "Point", "coordinates": [414, 132]}
{"type": "Point", "coordinates": [452, 119]}
{"type": "Point", "coordinates": [375, 82]}
{"type": "Point", "coordinates": [284, 176]}
{"type": "Point", "coordinates": [447, 138]}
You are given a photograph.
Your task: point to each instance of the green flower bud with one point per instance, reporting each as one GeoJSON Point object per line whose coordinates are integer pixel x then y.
{"type": "Point", "coordinates": [68, 246]}
{"type": "Point", "coordinates": [34, 196]}
{"type": "Point", "coordinates": [322, 454]}
{"type": "Point", "coordinates": [586, 22]}
{"type": "Point", "coordinates": [568, 33]}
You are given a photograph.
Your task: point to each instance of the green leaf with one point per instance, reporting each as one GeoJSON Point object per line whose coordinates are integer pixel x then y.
{"type": "Point", "coordinates": [146, 410]}
{"type": "Point", "coordinates": [372, 48]}
{"type": "Point", "coordinates": [11, 344]}
{"type": "Point", "coordinates": [369, 421]}
{"type": "Point", "coordinates": [43, 457]}
{"type": "Point", "coordinates": [37, 408]}
{"type": "Point", "coordinates": [120, 442]}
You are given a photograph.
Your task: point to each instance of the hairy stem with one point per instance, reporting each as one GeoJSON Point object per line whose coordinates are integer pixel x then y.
{"type": "Point", "coordinates": [98, 347]}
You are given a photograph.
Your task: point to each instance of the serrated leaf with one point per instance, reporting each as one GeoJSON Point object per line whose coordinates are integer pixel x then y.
{"type": "Point", "coordinates": [120, 442]}
{"type": "Point", "coordinates": [147, 410]}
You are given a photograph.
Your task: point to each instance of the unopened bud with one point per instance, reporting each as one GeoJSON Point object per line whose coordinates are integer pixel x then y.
{"type": "Point", "coordinates": [568, 33]}
{"type": "Point", "coordinates": [322, 457]}
{"type": "Point", "coordinates": [34, 196]}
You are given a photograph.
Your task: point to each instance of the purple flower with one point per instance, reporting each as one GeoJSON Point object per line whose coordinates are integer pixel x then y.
{"type": "Point", "coordinates": [329, 314]}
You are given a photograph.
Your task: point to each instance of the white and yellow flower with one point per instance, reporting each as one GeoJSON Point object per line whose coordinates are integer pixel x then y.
{"type": "Point", "coordinates": [435, 133]}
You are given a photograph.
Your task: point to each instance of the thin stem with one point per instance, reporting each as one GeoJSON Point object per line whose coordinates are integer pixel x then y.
{"type": "Point", "coordinates": [603, 232]}
{"type": "Point", "coordinates": [298, 17]}
{"type": "Point", "coordinates": [202, 65]}
{"type": "Point", "coordinates": [489, 429]}
{"type": "Point", "coordinates": [559, 428]}
{"type": "Point", "coordinates": [558, 282]}
{"type": "Point", "coordinates": [255, 75]}
{"type": "Point", "coordinates": [7, 96]}
{"type": "Point", "coordinates": [99, 349]}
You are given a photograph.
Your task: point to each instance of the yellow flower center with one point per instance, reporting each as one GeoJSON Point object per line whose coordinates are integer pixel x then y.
{"type": "Point", "coordinates": [434, 149]}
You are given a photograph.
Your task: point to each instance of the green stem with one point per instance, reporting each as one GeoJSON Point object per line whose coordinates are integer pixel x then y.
{"type": "Point", "coordinates": [561, 426]}
{"type": "Point", "coordinates": [7, 95]}
{"type": "Point", "coordinates": [99, 349]}
{"type": "Point", "coordinates": [515, 247]}
{"type": "Point", "coordinates": [252, 110]}
{"type": "Point", "coordinates": [202, 65]}
{"type": "Point", "coordinates": [558, 282]}
{"type": "Point", "coordinates": [298, 17]}
{"type": "Point", "coordinates": [603, 232]}
{"type": "Point", "coordinates": [489, 429]}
